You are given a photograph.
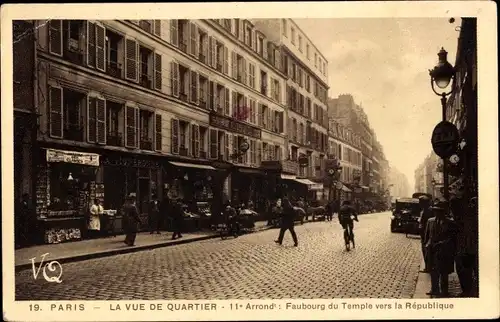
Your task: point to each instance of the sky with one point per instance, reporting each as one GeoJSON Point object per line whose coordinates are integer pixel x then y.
{"type": "Point", "coordinates": [384, 63]}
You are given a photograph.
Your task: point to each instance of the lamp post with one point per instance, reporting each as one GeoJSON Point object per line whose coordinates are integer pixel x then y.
{"type": "Point", "coordinates": [441, 75]}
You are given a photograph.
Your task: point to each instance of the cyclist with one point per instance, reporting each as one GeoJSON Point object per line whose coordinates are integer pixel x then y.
{"type": "Point", "coordinates": [347, 215]}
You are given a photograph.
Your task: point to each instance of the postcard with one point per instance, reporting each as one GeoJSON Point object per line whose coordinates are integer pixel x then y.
{"type": "Point", "coordinates": [250, 161]}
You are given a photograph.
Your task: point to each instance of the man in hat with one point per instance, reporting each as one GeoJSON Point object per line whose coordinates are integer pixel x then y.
{"type": "Point", "coordinates": [177, 218]}
{"type": "Point", "coordinates": [130, 219]}
{"type": "Point", "coordinates": [439, 239]}
{"type": "Point", "coordinates": [425, 214]}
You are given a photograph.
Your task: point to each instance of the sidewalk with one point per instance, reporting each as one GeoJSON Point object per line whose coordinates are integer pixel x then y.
{"type": "Point", "coordinates": [424, 285]}
{"type": "Point", "coordinates": [108, 246]}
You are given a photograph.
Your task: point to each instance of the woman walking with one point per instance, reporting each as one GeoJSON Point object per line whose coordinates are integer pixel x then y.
{"type": "Point", "coordinates": [287, 222]}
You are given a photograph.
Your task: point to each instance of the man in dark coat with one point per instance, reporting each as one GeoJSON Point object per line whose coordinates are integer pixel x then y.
{"type": "Point", "coordinates": [425, 214]}
{"type": "Point", "coordinates": [131, 220]}
{"type": "Point", "coordinates": [177, 218]}
{"type": "Point", "coordinates": [439, 238]}
{"type": "Point", "coordinates": [154, 215]}
{"type": "Point", "coordinates": [287, 222]}
{"type": "Point", "coordinates": [347, 215]}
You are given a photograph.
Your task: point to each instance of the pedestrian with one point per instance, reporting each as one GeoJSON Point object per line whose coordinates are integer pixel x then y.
{"type": "Point", "coordinates": [287, 222]}
{"type": "Point", "coordinates": [154, 215]}
{"type": "Point", "coordinates": [439, 238]}
{"type": "Point", "coordinates": [425, 214]}
{"type": "Point", "coordinates": [94, 223]}
{"type": "Point", "coordinates": [330, 208]}
{"type": "Point", "coordinates": [347, 215]}
{"type": "Point", "coordinates": [177, 218]}
{"type": "Point", "coordinates": [130, 219]}
{"type": "Point", "coordinates": [164, 210]}
{"type": "Point", "coordinates": [465, 257]}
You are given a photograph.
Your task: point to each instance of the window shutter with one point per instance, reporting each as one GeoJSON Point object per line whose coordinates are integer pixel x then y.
{"type": "Point", "coordinates": [227, 150]}
{"type": "Point", "coordinates": [100, 47]}
{"type": "Point", "coordinates": [157, 68]}
{"type": "Point", "coordinates": [245, 78]}
{"type": "Point", "coordinates": [282, 121]}
{"type": "Point", "coordinates": [101, 120]}
{"type": "Point", "coordinates": [260, 116]}
{"type": "Point", "coordinates": [131, 127]}
{"type": "Point", "coordinates": [210, 103]}
{"type": "Point", "coordinates": [92, 120]}
{"type": "Point", "coordinates": [213, 53]}
{"type": "Point", "coordinates": [234, 99]}
{"type": "Point", "coordinates": [158, 132]}
{"type": "Point", "coordinates": [157, 27]}
{"type": "Point", "coordinates": [206, 49]}
{"type": "Point", "coordinates": [196, 134]}
{"type": "Point", "coordinates": [194, 39]}
{"type": "Point", "coordinates": [174, 32]}
{"type": "Point", "coordinates": [235, 144]}
{"type": "Point", "coordinates": [234, 66]}
{"type": "Point", "coordinates": [213, 144]}
{"type": "Point", "coordinates": [227, 107]}
{"type": "Point", "coordinates": [244, 110]}
{"type": "Point", "coordinates": [174, 70]}
{"type": "Point", "coordinates": [91, 44]}
{"type": "Point", "coordinates": [226, 61]}
{"type": "Point", "coordinates": [194, 87]}
{"type": "Point", "coordinates": [268, 118]}
{"type": "Point", "coordinates": [174, 136]}
{"type": "Point", "coordinates": [209, 50]}
{"type": "Point", "coordinates": [131, 54]}
{"type": "Point", "coordinates": [56, 37]}
{"type": "Point", "coordinates": [56, 112]}
{"type": "Point", "coordinates": [272, 88]}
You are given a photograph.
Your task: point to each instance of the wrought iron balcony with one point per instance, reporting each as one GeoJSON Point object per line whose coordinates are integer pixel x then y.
{"type": "Point", "coordinates": [146, 144]}
{"type": "Point", "coordinates": [114, 69]}
{"type": "Point", "coordinates": [114, 139]}
{"type": "Point", "coordinates": [74, 133]}
{"type": "Point", "coordinates": [145, 81]}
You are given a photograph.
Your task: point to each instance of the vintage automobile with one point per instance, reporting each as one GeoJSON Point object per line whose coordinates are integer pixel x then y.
{"type": "Point", "coordinates": [405, 216]}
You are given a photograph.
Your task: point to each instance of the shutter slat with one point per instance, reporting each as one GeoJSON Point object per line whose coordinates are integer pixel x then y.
{"type": "Point", "coordinates": [100, 47]}
{"type": "Point", "coordinates": [158, 132]}
{"type": "Point", "coordinates": [131, 59]}
{"type": "Point", "coordinates": [91, 44]}
{"type": "Point", "coordinates": [175, 136]}
{"type": "Point", "coordinates": [101, 120]}
{"type": "Point", "coordinates": [174, 32]}
{"type": "Point", "coordinates": [56, 37]}
{"type": "Point", "coordinates": [56, 112]}
{"type": "Point", "coordinates": [157, 27]}
{"type": "Point", "coordinates": [92, 120]}
{"type": "Point", "coordinates": [157, 68]}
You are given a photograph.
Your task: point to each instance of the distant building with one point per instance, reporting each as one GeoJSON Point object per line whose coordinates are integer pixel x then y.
{"type": "Point", "coordinates": [399, 185]}
{"type": "Point", "coordinates": [428, 176]}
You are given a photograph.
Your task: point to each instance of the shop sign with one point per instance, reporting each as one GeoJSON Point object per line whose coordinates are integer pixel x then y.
{"type": "Point", "coordinates": [130, 162]}
{"type": "Point", "coordinates": [90, 159]}
{"type": "Point", "coordinates": [235, 126]}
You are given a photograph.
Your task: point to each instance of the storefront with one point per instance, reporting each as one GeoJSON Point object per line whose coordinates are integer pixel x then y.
{"type": "Point", "coordinates": [66, 185]}
{"type": "Point", "coordinates": [302, 187]}
{"type": "Point", "coordinates": [247, 186]}
{"type": "Point", "coordinates": [125, 174]}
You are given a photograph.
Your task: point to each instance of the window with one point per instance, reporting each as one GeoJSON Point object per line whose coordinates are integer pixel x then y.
{"type": "Point", "coordinates": [115, 124]}
{"type": "Point", "coordinates": [248, 36]}
{"type": "Point", "coordinates": [221, 144]}
{"type": "Point", "coordinates": [260, 46]}
{"type": "Point", "coordinates": [276, 95]}
{"type": "Point", "coordinates": [145, 67]}
{"type": "Point", "coordinates": [131, 126]}
{"type": "Point", "coordinates": [263, 82]}
{"type": "Point", "coordinates": [114, 51]}
{"type": "Point", "coordinates": [251, 78]}
{"type": "Point", "coordinates": [253, 112]}
{"type": "Point", "coordinates": [316, 60]}
{"type": "Point", "coordinates": [308, 54]}
{"type": "Point", "coordinates": [73, 112]}
{"type": "Point", "coordinates": [300, 43]}
{"type": "Point", "coordinates": [203, 91]}
{"type": "Point", "coordinates": [203, 141]}
{"type": "Point", "coordinates": [203, 46]}
{"type": "Point", "coordinates": [195, 141]}
{"type": "Point", "coordinates": [293, 36]}
{"type": "Point", "coordinates": [219, 99]}
{"type": "Point", "coordinates": [146, 140]}
{"type": "Point", "coordinates": [219, 52]}
{"type": "Point", "coordinates": [184, 128]}
{"type": "Point", "coordinates": [184, 81]}
{"type": "Point", "coordinates": [284, 27]}
{"type": "Point", "coordinates": [226, 23]}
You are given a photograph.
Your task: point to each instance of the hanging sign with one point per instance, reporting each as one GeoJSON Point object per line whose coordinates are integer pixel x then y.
{"type": "Point", "coordinates": [90, 159]}
{"type": "Point", "coordinates": [445, 139]}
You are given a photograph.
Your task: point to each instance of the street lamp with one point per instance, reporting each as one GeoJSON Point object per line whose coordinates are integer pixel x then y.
{"type": "Point", "coordinates": [442, 74]}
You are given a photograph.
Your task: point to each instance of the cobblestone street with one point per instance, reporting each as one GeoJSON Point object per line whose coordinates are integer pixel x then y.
{"type": "Point", "coordinates": [383, 265]}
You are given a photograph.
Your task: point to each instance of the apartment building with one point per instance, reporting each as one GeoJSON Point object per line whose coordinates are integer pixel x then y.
{"type": "Point", "coordinates": [151, 106]}
{"type": "Point", "coordinates": [306, 93]}
{"type": "Point", "coordinates": [345, 146]}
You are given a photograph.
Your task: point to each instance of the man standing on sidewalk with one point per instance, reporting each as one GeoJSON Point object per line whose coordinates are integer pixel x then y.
{"type": "Point", "coordinates": [287, 222]}
{"type": "Point", "coordinates": [425, 214]}
{"type": "Point", "coordinates": [439, 238]}
{"type": "Point", "coordinates": [131, 219]}
{"type": "Point", "coordinates": [177, 218]}
{"type": "Point", "coordinates": [154, 215]}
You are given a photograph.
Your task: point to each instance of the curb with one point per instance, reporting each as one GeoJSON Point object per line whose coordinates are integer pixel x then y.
{"type": "Point", "coordinates": [127, 250]}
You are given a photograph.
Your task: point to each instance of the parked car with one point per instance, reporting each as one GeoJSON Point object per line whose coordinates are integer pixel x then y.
{"type": "Point", "coordinates": [405, 216]}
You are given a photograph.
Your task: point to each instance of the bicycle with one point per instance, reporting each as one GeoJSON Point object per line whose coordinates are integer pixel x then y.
{"type": "Point", "coordinates": [349, 234]}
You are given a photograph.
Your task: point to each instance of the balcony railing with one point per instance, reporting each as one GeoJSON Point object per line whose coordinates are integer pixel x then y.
{"type": "Point", "coordinates": [183, 151]}
{"type": "Point", "coordinates": [73, 55]}
{"type": "Point", "coordinates": [74, 133]}
{"type": "Point", "coordinates": [183, 45]}
{"type": "Point", "coordinates": [114, 69]}
{"type": "Point", "coordinates": [145, 81]}
{"type": "Point", "coordinates": [146, 144]}
{"type": "Point", "coordinates": [115, 139]}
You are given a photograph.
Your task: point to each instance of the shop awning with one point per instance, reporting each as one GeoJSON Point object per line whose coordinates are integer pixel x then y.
{"type": "Point", "coordinates": [90, 159]}
{"type": "Point", "coordinates": [288, 177]}
{"type": "Point", "coordinates": [192, 165]}
{"type": "Point", "coordinates": [310, 184]}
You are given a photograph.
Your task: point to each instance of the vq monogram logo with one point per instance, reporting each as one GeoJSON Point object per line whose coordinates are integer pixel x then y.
{"type": "Point", "coordinates": [51, 266]}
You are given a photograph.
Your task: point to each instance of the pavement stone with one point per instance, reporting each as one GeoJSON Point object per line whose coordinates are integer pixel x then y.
{"type": "Point", "coordinates": [384, 264]}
